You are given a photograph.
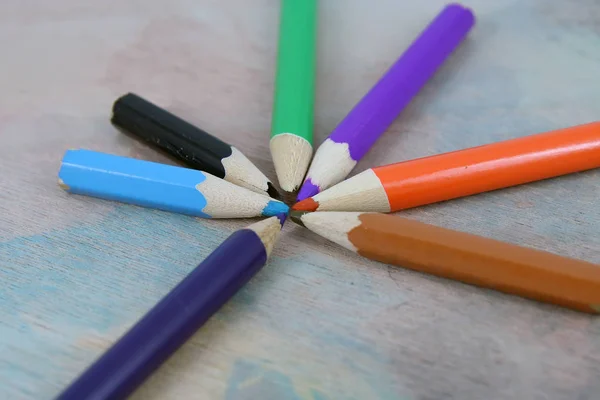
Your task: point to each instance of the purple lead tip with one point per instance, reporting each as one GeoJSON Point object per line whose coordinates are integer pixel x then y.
{"type": "Point", "coordinates": [282, 217]}
{"type": "Point", "coordinates": [307, 190]}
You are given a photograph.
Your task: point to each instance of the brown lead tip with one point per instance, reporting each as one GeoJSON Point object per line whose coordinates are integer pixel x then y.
{"type": "Point", "coordinates": [288, 197]}
{"type": "Point", "coordinates": [296, 216]}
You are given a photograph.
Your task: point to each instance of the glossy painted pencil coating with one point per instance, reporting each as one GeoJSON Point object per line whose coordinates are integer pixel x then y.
{"type": "Point", "coordinates": [292, 122]}
{"type": "Point", "coordinates": [461, 256]}
{"type": "Point", "coordinates": [178, 316]}
{"type": "Point", "coordinates": [165, 187]}
{"type": "Point", "coordinates": [465, 172]}
{"type": "Point", "coordinates": [375, 112]}
{"type": "Point", "coordinates": [188, 143]}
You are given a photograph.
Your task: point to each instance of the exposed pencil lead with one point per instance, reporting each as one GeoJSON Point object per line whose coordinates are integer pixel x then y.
{"type": "Point", "coordinates": [306, 205]}
{"type": "Point", "coordinates": [308, 189]}
{"type": "Point", "coordinates": [282, 217]}
{"type": "Point", "coordinates": [296, 216]}
{"type": "Point", "coordinates": [271, 191]}
{"type": "Point", "coordinates": [288, 197]}
{"type": "Point", "coordinates": [275, 207]}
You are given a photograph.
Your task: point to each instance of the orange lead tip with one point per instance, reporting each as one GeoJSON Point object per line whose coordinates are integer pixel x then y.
{"type": "Point", "coordinates": [306, 205]}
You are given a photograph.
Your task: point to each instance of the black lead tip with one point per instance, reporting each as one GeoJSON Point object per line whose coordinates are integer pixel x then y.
{"type": "Point", "coordinates": [272, 192]}
{"type": "Point", "coordinates": [296, 216]}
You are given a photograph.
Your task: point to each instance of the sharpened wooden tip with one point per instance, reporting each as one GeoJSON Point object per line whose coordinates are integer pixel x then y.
{"type": "Point", "coordinates": [306, 205]}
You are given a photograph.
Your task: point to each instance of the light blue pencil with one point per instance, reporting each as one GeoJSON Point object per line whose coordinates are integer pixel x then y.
{"type": "Point", "coordinates": [160, 186]}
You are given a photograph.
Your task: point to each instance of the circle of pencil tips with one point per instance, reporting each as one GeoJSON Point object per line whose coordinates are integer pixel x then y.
{"type": "Point", "coordinates": [223, 183]}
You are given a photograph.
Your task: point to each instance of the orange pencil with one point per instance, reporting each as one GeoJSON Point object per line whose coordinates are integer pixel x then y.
{"type": "Point", "coordinates": [465, 172]}
{"type": "Point", "coordinates": [461, 256]}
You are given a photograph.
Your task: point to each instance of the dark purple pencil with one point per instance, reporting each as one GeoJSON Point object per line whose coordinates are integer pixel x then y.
{"type": "Point", "coordinates": [374, 113]}
{"type": "Point", "coordinates": [178, 316]}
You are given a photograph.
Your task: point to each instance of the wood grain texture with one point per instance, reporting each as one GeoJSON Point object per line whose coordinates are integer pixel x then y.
{"type": "Point", "coordinates": [318, 322]}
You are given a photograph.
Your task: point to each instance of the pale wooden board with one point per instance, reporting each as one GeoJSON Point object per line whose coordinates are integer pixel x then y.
{"type": "Point", "coordinates": [317, 322]}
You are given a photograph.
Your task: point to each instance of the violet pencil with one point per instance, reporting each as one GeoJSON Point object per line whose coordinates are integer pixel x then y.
{"type": "Point", "coordinates": [152, 340]}
{"type": "Point", "coordinates": [375, 112]}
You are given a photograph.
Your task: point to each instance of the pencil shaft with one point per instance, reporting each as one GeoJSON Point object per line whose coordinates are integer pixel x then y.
{"type": "Point", "coordinates": [164, 187]}
{"type": "Point", "coordinates": [188, 143]}
{"type": "Point", "coordinates": [461, 256]}
{"type": "Point", "coordinates": [397, 87]}
{"type": "Point", "coordinates": [172, 321]}
{"type": "Point", "coordinates": [480, 261]}
{"type": "Point", "coordinates": [359, 130]}
{"type": "Point", "coordinates": [465, 172]}
{"type": "Point", "coordinates": [193, 146]}
{"type": "Point", "coordinates": [490, 167]}
{"type": "Point", "coordinates": [295, 79]}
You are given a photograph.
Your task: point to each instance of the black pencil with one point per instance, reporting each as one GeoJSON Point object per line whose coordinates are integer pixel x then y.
{"type": "Point", "coordinates": [188, 143]}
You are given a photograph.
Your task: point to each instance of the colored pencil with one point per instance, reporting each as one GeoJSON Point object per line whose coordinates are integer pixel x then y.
{"type": "Point", "coordinates": [292, 121]}
{"type": "Point", "coordinates": [472, 259]}
{"type": "Point", "coordinates": [375, 112]}
{"type": "Point", "coordinates": [167, 326]}
{"type": "Point", "coordinates": [164, 187]}
{"type": "Point", "coordinates": [188, 143]}
{"type": "Point", "coordinates": [465, 172]}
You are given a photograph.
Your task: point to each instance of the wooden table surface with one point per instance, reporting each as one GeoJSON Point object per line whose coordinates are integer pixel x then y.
{"type": "Point", "coordinates": [318, 322]}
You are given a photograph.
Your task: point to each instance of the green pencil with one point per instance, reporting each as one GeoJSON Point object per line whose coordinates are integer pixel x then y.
{"type": "Point", "coordinates": [292, 124]}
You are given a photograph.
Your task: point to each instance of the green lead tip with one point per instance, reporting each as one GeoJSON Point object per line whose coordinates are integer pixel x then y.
{"type": "Point", "coordinates": [296, 216]}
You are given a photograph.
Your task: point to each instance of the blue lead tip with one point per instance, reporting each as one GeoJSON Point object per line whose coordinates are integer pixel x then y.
{"type": "Point", "coordinates": [274, 208]}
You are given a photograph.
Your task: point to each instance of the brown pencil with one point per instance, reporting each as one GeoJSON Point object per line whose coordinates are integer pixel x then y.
{"type": "Point", "coordinates": [461, 256]}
